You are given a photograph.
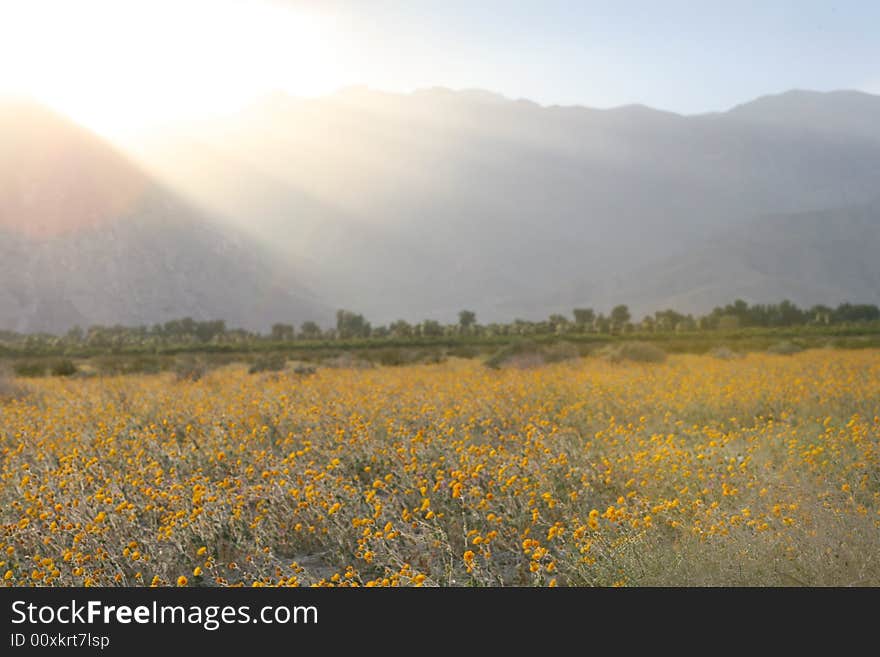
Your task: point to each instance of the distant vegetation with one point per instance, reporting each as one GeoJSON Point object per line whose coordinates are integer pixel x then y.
{"type": "Point", "coordinates": [527, 353]}
{"type": "Point", "coordinates": [637, 352]}
{"type": "Point", "coordinates": [736, 327]}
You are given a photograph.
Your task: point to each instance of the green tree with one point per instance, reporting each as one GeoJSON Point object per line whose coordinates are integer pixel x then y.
{"type": "Point", "coordinates": [310, 331]}
{"type": "Point", "coordinates": [401, 329]}
{"type": "Point", "coordinates": [431, 328]}
{"type": "Point", "coordinates": [75, 335]}
{"type": "Point", "coordinates": [584, 317]}
{"type": "Point", "coordinates": [820, 314]}
{"type": "Point", "coordinates": [207, 331]}
{"type": "Point", "coordinates": [619, 316]}
{"type": "Point", "coordinates": [351, 325]}
{"type": "Point", "coordinates": [282, 332]}
{"type": "Point", "coordinates": [848, 312]}
{"type": "Point", "coordinates": [466, 319]}
{"type": "Point", "coordinates": [667, 320]}
{"type": "Point", "coordinates": [603, 324]}
{"type": "Point", "coordinates": [557, 323]}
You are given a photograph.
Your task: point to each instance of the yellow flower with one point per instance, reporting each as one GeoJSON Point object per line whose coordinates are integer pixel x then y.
{"type": "Point", "coordinates": [182, 581]}
{"type": "Point", "coordinates": [197, 571]}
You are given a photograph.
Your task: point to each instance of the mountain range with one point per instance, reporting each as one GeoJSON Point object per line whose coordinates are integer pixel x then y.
{"type": "Point", "coordinates": [87, 237]}
{"type": "Point", "coordinates": [418, 205]}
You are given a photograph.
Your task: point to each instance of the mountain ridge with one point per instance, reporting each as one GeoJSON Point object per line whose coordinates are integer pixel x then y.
{"type": "Point", "coordinates": [420, 204]}
{"type": "Point", "coordinates": [417, 205]}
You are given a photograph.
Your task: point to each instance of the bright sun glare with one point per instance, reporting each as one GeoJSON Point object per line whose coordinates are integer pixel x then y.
{"type": "Point", "coordinates": [120, 66]}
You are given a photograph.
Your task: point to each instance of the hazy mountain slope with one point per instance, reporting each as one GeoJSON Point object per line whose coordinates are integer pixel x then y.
{"type": "Point", "coordinates": [810, 258]}
{"type": "Point", "coordinates": [841, 113]}
{"type": "Point", "coordinates": [56, 177]}
{"type": "Point", "coordinates": [87, 238]}
{"type": "Point", "coordinates": [418, 205]}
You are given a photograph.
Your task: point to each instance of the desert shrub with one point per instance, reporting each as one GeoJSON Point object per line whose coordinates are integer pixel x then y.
{"type": "Point", "coordinates": [346, 360]}
{"type": "Point", "coordinates": [113, 365]}
{"type": "Point", "coordinates": [521, 353]}
{"type": "Point", "coordinates": [108, 365]}
{"type": "Point", "coordinates": [464, 351]}
{"type": "Point", "coordinates": [144, 365]}
{"type": "Point", "coordinates": [303, 369]}
{"type": "Point", "coordinates": [268, 363]}
{"type": "Point", "coordinates": [637, 352]}
{"type": "Point", "coordinates": [560, 351]}
{"type": "Point", "coordinates": [391, 357]}
{"type": "Point", "coordinates": [785, 348]}
{"type": "Point", "coordinates": [394, 357]}
{"type": "Point", "coordinates": [29, 368]}
{"type": "Point", "coordinates": [64, 367]}
{"type": "Point", "coordinates": [524, 354]}
{"type": "Point", "coordinates": [8, 389]}
{"type": "Point", "coordinates": [189, 369]}
{"type": "Point", "coordinates": [724, 353]}
{"type": "Point", "coordinates": [431, 356]}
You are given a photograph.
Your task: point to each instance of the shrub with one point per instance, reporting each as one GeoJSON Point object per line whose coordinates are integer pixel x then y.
{"type": "Point", "coordinates": [189, 369]}
{"type": "Point", "coordinates": [430, 357]}
{"type": "Point", "coordinates": [346, 360]}
{"type": "Point", "coordinates": [390, 357]}
{"type": "Point", "coordinates": [464, 351]}
{"type": "Point", "coordinates": [113, 365]}
{"type": "Point", "coordinates": [29, 368]}
{"type": "Point", "coordinates": [724, 353]}
{"type": "Point", "coordinates": [637, 352]}
{"type": "Point", "coordinates": [394, 357]}
{"type": "Point", "coordinates": [520, 350]}
{"type": "Point", "coordinates": [524, 354]}
{"type": "Point", "coordinates": [785, 348]}
{"type": "Point", "coordinates": [560, 351]}
{"type": "Point", "coordinates": [8, 389]}
{"type": "Point", "coordinates": [64, 367]}
{"type": "Point", "coordinates": [268, 363]}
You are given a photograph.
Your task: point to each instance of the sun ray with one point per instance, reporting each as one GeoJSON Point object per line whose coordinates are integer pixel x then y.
{"type": "Point", "coordinates": [121, 65]}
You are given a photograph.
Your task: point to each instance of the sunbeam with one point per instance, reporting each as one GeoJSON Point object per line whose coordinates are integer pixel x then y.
{"type": "Point", "coordinates": [118, 66]}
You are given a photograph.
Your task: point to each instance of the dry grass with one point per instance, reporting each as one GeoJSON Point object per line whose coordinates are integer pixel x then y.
{"type": "Point", "coordinates": [8, 388]}
{"type": "Point", "coordinates": [636, 352]}
{"type": "Point", "coordinates": [725, 353]}
{"type": "Point", "coordinates": [785, 348]}
{"type": "Point", "coordinates": [345, 361]}
{"type": "Point", "coordinates": [694, 471]}
{"type": "Point", "coordinates": [527, 354]}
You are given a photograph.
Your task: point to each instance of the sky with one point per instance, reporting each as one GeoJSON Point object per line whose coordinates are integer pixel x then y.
{"type": "Point", "coordinates": [127, 65]}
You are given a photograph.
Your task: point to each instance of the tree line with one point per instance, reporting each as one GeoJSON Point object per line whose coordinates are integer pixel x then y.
{"type": "Point", "coordinates": [351, 325]}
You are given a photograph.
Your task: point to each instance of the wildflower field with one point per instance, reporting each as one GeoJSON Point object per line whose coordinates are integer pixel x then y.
{"type": "Point", "coordinates": [760, 470]}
